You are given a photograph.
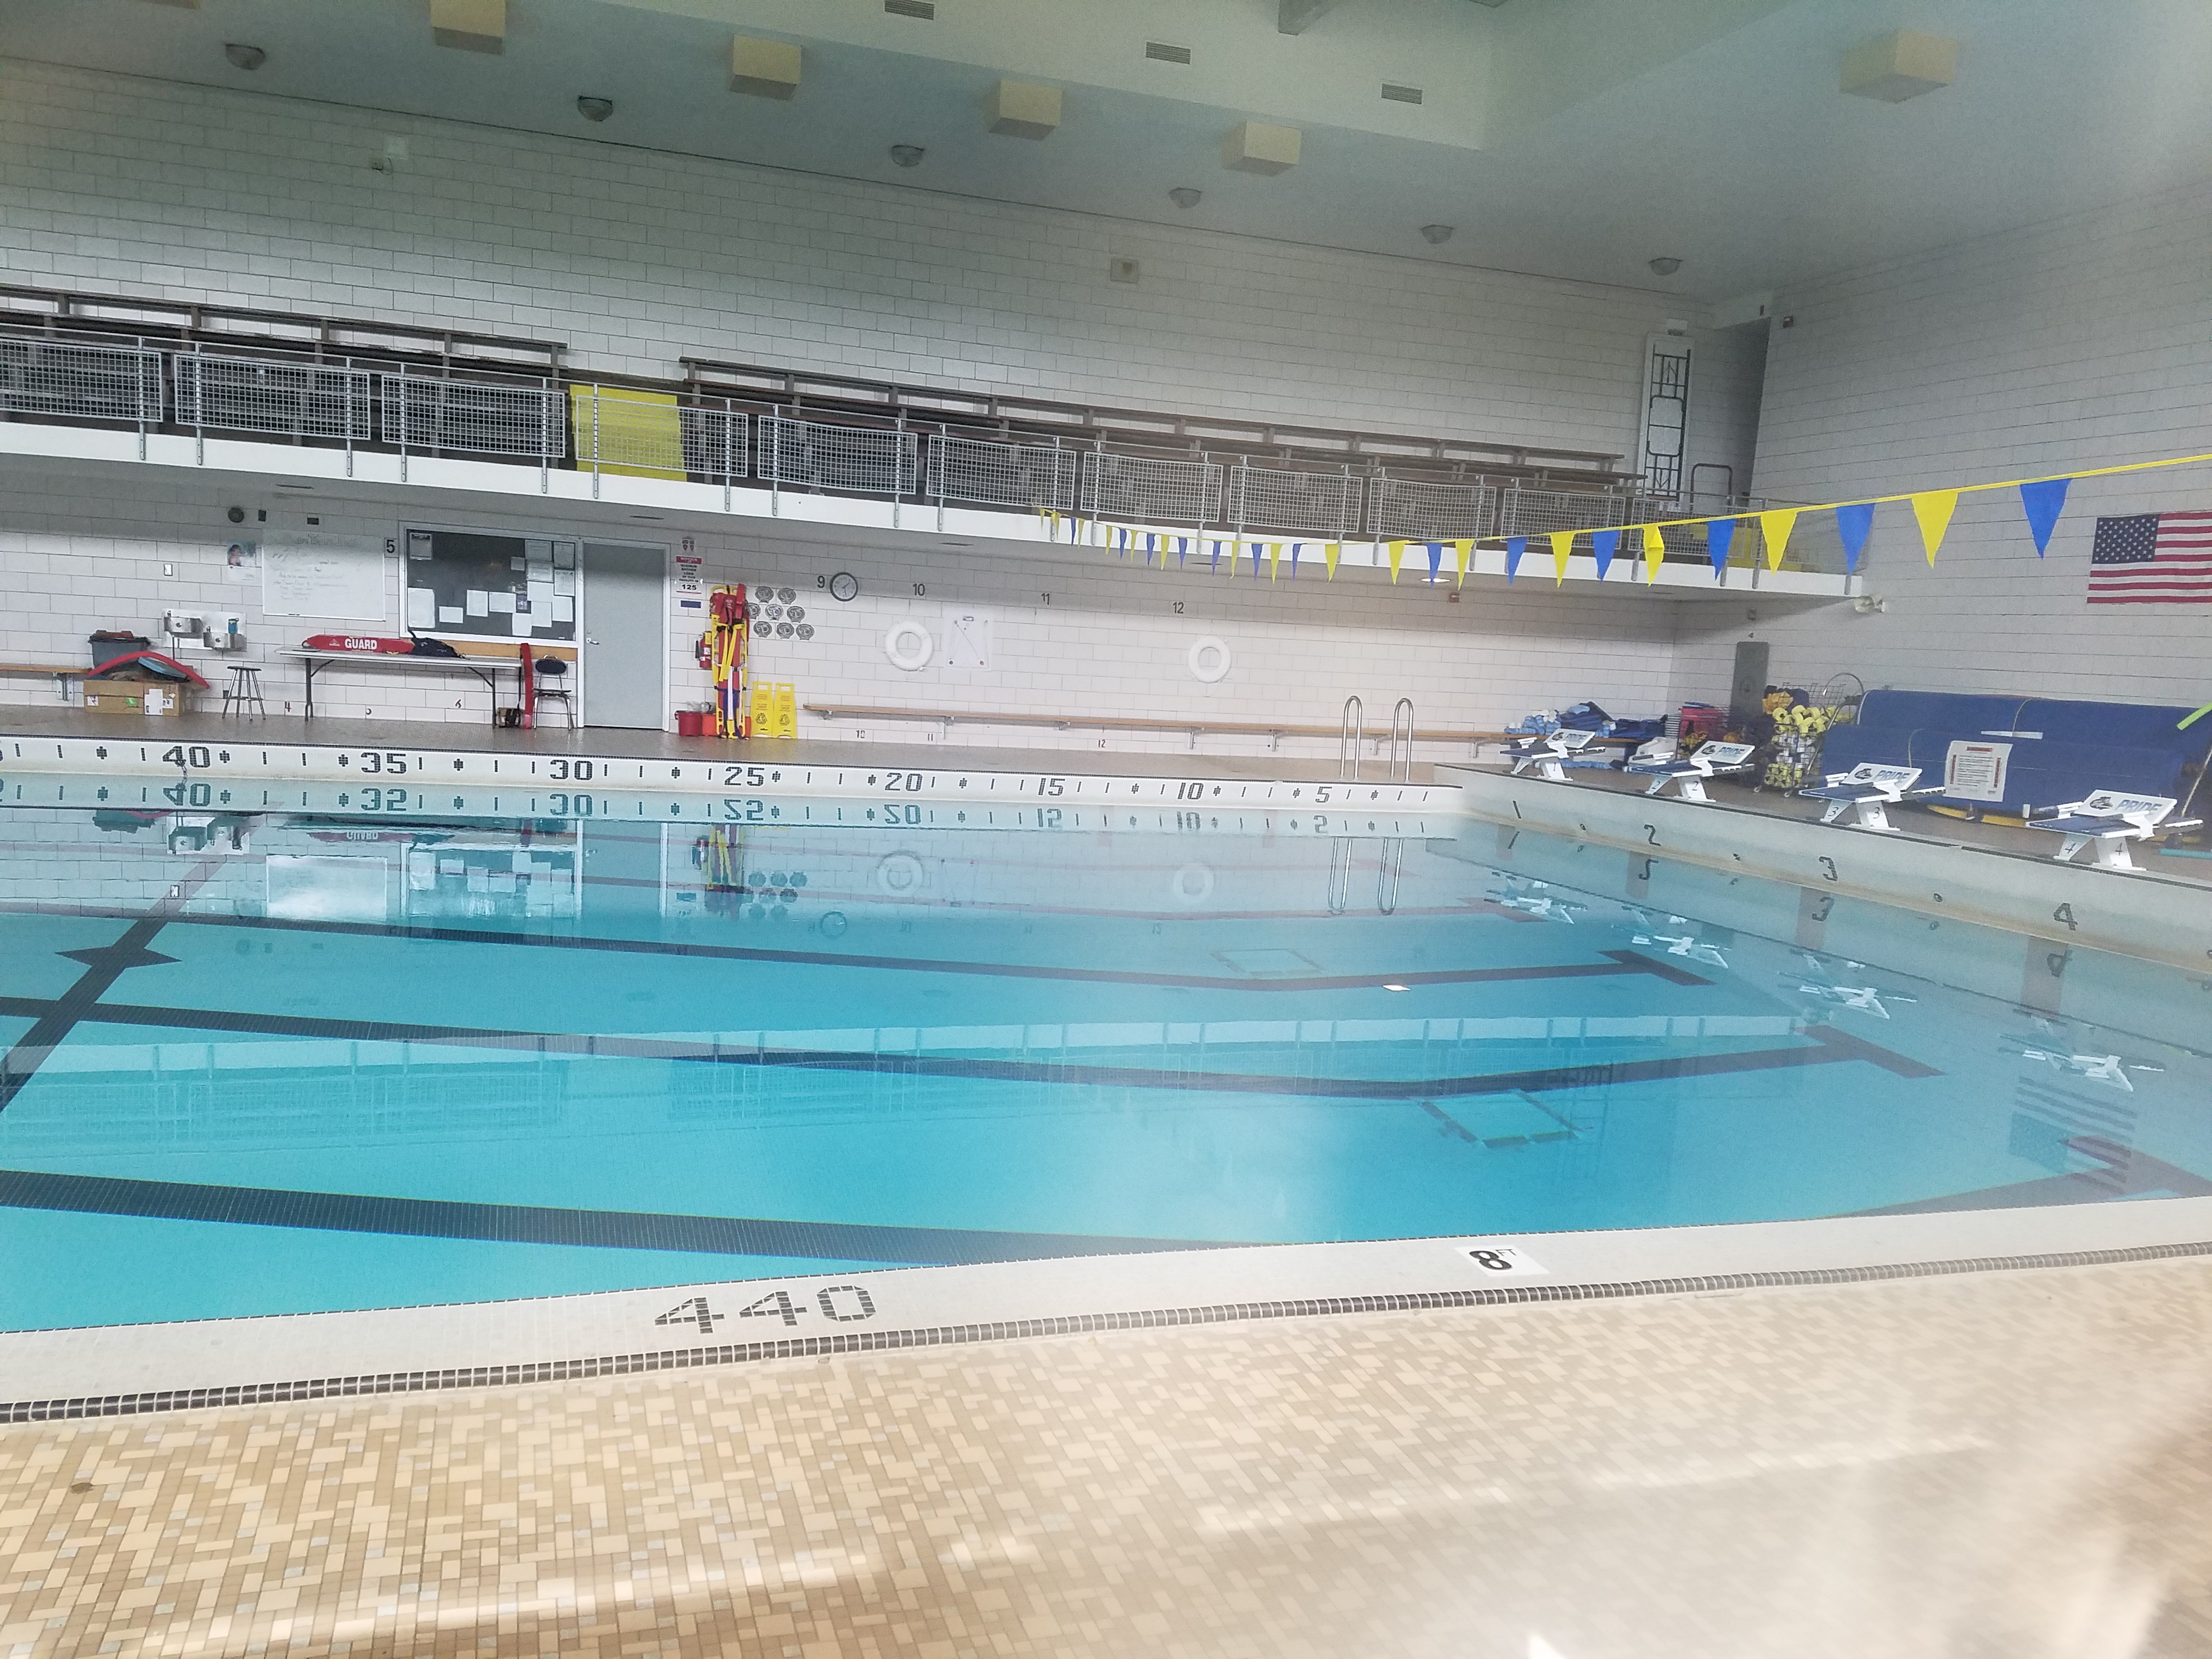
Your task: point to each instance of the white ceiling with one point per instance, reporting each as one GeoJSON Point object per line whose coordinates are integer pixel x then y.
{"type": "Point", "coordinates": [1596, 151]}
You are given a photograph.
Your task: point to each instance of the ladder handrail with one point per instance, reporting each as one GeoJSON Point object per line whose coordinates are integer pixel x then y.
{"type": "Point", "coordinates": [1401, 771]}
{"type": "Point", "coordinates": [1348, 739]}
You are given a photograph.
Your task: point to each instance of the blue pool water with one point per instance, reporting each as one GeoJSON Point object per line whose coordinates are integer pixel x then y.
{"type": "Point", "coordinates": [277, 1063]}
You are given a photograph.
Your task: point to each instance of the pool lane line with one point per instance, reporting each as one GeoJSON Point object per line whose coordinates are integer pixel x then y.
{"type": "Point", "coordinates": [530, 1224]}
{"type": "Point", "coordinates": [103, 965]}
{"type": "Point", "coordinates": [1616, 962]}
{"type": "Point", "coordinates": [1826, 1045]}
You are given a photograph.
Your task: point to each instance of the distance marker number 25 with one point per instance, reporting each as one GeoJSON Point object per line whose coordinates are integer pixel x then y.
{"type": "Point", "coordinates": [847, 1304]}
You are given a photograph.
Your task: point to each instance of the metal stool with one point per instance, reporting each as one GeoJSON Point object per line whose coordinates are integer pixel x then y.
{"type": "Point", "coordinates": [243, 691]}
{"type": "Point", "coordinates": [551, 674]}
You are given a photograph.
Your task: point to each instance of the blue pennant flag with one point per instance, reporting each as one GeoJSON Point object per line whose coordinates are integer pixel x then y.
{"type": "Point", "coordinates": [1295, 546]}
{"type": "Point", "coordinates": [1719, 533]}
{"type": "Point", "coordinates": [1604, 542]}
{"type": "Point", "coordinates": [1436, 561]}
{"type": "Point", "coordinates": [1182, 551]}
{"type": "Point", "coordinates": [1216, 566]}
{"type": "Point", "coordinates": [1256, 550]}
{"type": "Point", "coordinates": [1852, 523]}
{"type": "Point", "coordinates": [1514, 547]}
{"type": "Point", "coordinates": [2045, 500]}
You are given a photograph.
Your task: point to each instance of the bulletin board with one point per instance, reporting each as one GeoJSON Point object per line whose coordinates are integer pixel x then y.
{"type": "Point", "coordinates": [474, 583]}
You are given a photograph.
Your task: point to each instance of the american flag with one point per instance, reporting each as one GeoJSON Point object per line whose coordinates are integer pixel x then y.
{"type": "Point", "coordinates": [2152, 558]}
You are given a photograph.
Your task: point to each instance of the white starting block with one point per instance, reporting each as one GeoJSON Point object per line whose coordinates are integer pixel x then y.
{"type": "Point", "coordinates": [2109, 820]}
{"type": "Point", "coordinates": [1547, 753]}
{"type": "Point", "coordinates": [1689, 772]}
{"type": "Point", "coordinates": [1868, 790]}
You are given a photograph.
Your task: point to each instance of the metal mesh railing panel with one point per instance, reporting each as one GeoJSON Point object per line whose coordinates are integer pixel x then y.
{"type": "Point", "coordinates": [1002, 475]}
{"type": "Point", "coordinates": [1152, 491]}
{"type": "Point", "coordinates": [657, 437]}
{"type": "Point", "coordinates": [477, 417]}
{"type": "Point", "coordinates": [1402, 509]}
{"type": "Point", "coordinates": [859, 459]}
{"type": "Point", "coordinates": [247, 394]}
{"type": "Point", "coordinates": [1538, 512]}
{"type": "Point", "coordinates": [92, 382]}
{"type": "Point", "coordinates": [1272, 498]}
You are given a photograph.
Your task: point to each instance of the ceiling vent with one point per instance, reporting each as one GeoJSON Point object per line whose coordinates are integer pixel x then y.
{"type": "Point", "coordinates": [1162, 53]}
{"type": "Point", "coordinates": [925, 9]}
{"type": "Point", "coordinates": [1398, 94]}
{"type": "Point", "coordinates": [1900, 66]}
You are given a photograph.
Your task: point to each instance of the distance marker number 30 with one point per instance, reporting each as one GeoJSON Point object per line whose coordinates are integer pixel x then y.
{"type": "Point", "coordinates": [847, 1304]}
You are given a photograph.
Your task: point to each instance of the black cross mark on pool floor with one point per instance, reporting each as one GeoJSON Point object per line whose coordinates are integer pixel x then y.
{"type": "Point", "coordinates": [103, 965]}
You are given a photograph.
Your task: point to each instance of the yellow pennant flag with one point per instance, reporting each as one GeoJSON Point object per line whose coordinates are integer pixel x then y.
{"type": "Point", "coordinates": [1274, 554]}
{"type": "Point", "coordinates": [1330, 554]}
{"type": "Point", "coordinates": [1654, 550]}
{"type": "Point", "coordinates": [1563, 544]}
{"type": "Point", "coordinates": [1774, 527]}
{"type": "Point", "coordinates": [1397, 552]}
{"type": "Point", "coordinates": [1462, 555]}
{"type": "Point", "coordinates": [1933, 507]}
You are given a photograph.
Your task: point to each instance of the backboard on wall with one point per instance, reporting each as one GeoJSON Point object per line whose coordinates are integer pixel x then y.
{"type": "Point", "coordinates": [478, 584]}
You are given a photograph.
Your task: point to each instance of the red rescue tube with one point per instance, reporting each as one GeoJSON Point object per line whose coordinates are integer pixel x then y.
{"type": "Point", "coordinates": [367, 645]}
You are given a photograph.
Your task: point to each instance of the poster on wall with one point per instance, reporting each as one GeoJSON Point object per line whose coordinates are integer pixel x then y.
{"type": "Point", "coordinates": [966, 640]}
{"type": "Point", "coordinates": [335, 576]}
{"type": "Point", "coordinates": [1976, 771]}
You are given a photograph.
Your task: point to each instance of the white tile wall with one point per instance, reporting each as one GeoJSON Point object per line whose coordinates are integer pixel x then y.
{"type": "Point", "coordinates": [1109, 639]}
{"type": "Point", "coordinates": [635, 258]}
{"type": "Point", "coordinates": [2080, 342]}
{"type": "Point", "coordinates": [136, 187]}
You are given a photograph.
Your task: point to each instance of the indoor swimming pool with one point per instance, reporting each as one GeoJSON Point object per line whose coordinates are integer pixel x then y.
{"type": "Point", "coordinates": [275, 1063]}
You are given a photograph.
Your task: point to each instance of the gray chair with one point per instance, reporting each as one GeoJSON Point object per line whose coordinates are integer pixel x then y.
{"type": "Point", "coordinates": [552, 676]}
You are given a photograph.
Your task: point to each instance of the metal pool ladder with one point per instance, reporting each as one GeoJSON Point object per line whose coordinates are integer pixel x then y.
{"type": "Point", "coordinates": [1348, 738]}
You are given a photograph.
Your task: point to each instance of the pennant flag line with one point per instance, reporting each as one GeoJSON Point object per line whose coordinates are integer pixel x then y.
{"type": "Point", "coordinates": [1853, 520]}
{"type": "Point", "coordinates": [1934, 509]}
{"type": "Point", "coordinates": [2043, 501]}
{"type": "Point", "coordinates": [1603, 541]}
{"type": "Point", "coordinates": [1774, 527]}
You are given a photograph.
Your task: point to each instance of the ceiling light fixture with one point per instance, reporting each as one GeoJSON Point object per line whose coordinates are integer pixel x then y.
{"type": "Point", "coordinates": [1665, 265]}
{"type": "Point", "coordinates": [1438, 235]}
{"type": "Point", "coordinates": [244, 57]}
{"type": "Point", "coordinates": [908, 155]}
{"type": "Point", "coordinates": [595, 109]}
{"type": "Point", "coordinates": [1184, 196]}
{"type": "Point", "coordinates": [1394, 988]}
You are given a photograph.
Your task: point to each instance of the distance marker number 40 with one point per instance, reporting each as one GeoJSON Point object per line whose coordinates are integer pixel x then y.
{"type": "Point", "coordinates": [847, 1304]}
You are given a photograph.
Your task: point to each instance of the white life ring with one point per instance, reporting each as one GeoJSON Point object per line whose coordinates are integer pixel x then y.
{"type": "Point", "coordinates": [908, 657]}
{"type": "Point", "coordinates": [1207, 673]}
{"type": "Point", "coordinates": [899, 874]}
{"type": "Point", "coordinates": [1193, 883]}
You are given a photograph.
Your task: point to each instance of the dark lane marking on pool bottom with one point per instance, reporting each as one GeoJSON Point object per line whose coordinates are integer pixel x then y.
{"type": "Point", "coordinates": [530, 1224]}
{"type": "Point", "coordinates": [1824, 1045]}
{"type": "Point", "coordinates": [1616, 961]}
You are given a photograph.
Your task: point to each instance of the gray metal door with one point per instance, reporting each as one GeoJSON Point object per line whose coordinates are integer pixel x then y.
{"type": "Point", "coordinates": [625, 668]}
{"type": "Point", "coordinates": [1748, 692]}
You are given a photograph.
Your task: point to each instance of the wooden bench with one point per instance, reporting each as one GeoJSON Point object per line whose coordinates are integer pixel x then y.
{"type": "Point", "coordinates": [1274, 731]}
{"type": "Point", "coordinates": [62, 674]}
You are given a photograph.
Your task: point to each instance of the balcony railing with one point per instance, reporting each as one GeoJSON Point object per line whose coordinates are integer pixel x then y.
{"type": "Point", "coordinates": [205, 373]}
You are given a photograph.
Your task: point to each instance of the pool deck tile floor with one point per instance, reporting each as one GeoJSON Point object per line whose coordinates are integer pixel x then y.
{"type": "Point", "coordinates": [2014, 1463]}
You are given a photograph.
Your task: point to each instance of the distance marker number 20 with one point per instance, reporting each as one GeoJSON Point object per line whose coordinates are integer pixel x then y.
{"type": "Point", "coordinates": [847, 1304]}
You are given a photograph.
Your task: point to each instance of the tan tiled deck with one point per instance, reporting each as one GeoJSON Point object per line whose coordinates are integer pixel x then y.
{"type": "Point", "coordinates": [2008, 1464]}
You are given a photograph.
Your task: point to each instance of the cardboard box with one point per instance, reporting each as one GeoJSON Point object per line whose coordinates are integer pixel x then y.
{"type": "Point", "coordinates": [133, 697]}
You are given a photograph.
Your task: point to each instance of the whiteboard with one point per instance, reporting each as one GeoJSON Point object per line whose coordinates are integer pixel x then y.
{"type": "Point", "coordinates": [304, 575]}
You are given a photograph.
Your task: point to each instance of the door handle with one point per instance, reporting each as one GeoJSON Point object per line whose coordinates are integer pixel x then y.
{"type": "Point", "coordinates": [590, 641]}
